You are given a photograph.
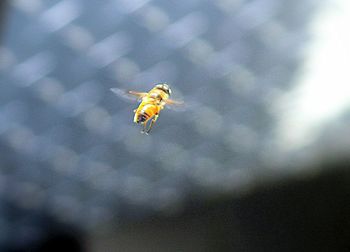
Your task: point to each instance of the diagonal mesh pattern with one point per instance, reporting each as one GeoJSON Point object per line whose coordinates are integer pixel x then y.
{"type": "Point", "coordinates": [68, 146]}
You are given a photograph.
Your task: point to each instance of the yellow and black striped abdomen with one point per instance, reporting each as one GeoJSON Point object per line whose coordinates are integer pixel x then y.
{"type": "Point", "coordinates": [146, 111]}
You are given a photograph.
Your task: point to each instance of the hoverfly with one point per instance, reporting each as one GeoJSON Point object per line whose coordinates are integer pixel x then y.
{"type": "Point", "coordinates": [151, 103]}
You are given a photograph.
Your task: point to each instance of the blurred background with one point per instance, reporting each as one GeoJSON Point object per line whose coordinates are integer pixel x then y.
{"type": "Point", "coordinates": [257, 162]}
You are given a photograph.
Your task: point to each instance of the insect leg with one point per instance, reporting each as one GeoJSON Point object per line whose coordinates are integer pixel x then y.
{"type": "Point", "coordinates": [154, 119]}
{"type": "Point", "coordinates": [143, 128]}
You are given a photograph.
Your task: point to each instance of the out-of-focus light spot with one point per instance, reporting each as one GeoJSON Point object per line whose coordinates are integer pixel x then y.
{"type": "Point", "coordinates": [45, 147]}
{"type": "Point", "coordinates": [80, 99]}
{"type": "Point", "coordinates": [273, 34]}
{"type": "Point", "coordinates": [7, 58]}
{"type": "Point", "coordinates": [162, 71]}
{"type": "Point", "coordinates": [21, 139]}
{"type": "Point", "coordinates": [238, 181]}
{"type": "Point", "coordinates": [11, 114]}
{"type": "Point", "coordinates": [28, 6]}
{"type": "Point", "coordinates": [110, 49]}
{"type": "Point", "coordinates": [97, 119]}
{"type": "Point", "coordinates": [136, 189]}
{"type": "Point", "coordinates": [183, 31]}
{"type": "Point", "coordinates": [49, 90]}
{"type": "Point", "coordinates": [94, 169]}
{"type": "Point", "coordinates": [168, 199]}
{"type": "Point", "coordinates": [255, 13]}
{"type": "Point", "coordinates": [228, 6]}
{"type": "Point", "coordinates": [29, 195]}
{"type": "Point", "coordinates": [138, 143]}
{"type": "Point", "coordinates": [125, 69]}
{"type": "Point", "coordinates": [65, 207]}
{"type": "Point", "coordinates": [172, 156]}
{"type": "Point", "coordinates": [64, 160]}
{"type": "Point", "coordinates": [77, 37]}
{"type": "Point", "coordinates": [199, 51]}
{"type": "Point", "coordinates": [153, 18]}
{"type": "Point", "coordinates": [241, 139]}
{"type": "Point", "coordinates": [207, 121]}
{"type": "Point", "coordinates": [128, 6]}
{"type": "Point", "coordinates": [119, 127]}
{"type": "Point", "coordinates": [34, 68]}
{"type": "Point", "coordinates": [60, 14]}
{"type": "Point", "coordinates": [3, 179]}
{"type": "Point", "coordinates": [206, 172]}
{"type": "Point", "coordinates": [97, 215]}
{"type": "Point", "coordinates": [241, 81]}
{"type": "Point", "coordinates": [223, 62]}
{"type": "Point", "coordinates": [323, 90]}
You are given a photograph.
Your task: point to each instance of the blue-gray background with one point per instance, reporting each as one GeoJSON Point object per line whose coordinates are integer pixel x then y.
{"type": "Point", "coordinates": [68, 146]}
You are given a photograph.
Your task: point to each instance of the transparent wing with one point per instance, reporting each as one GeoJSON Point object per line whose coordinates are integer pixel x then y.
{"type": "Point", "coordinates": [176, 105]}
{"type": "Point", "coordinates": [128, 95]}
{"type": "Point", "coordinates": [174, 102]}
{"type": "Point", "coordinates": [181, 106]}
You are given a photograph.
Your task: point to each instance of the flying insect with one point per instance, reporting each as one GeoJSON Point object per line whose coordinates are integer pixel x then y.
{"type": "Point", "coordinates": [151, 103]}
